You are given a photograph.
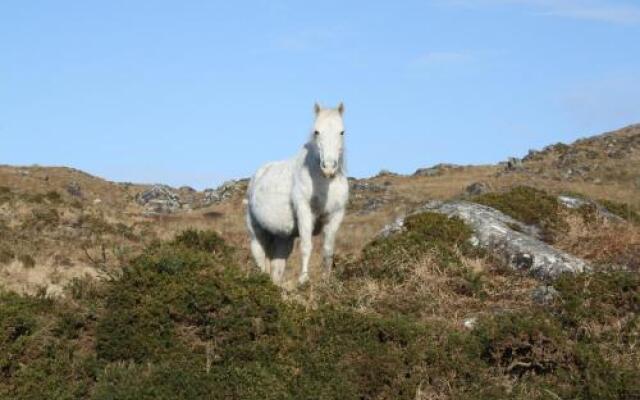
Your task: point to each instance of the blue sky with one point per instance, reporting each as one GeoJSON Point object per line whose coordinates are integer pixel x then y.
{"type": "Point", "coordinates": [196, 92]}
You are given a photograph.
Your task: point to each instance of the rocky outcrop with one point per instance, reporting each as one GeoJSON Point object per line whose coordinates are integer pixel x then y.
{"type": "Point", "coordinates": [366, 196]}
{"type": "Point", "coordinates": [436, 170]}
{"type": "Point", "coordinates": [513, 164]}
{"type": "Point", "coordinates": [516, 243]}
{"type": "Point", "coordinates": [366, 186]}
{"type": "Point", "coordinates": [577, 202]}
{"type": "Point", "coordinates": [159, 199]}
{"type": "Point", "coordinates": [386, 172]}
{"type": "Point", "coordinates": [224, 191]}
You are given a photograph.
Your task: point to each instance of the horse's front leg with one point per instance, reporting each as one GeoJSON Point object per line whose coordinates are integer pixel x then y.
{"type": "Point", "coordinates": [305, 222]}
{"type": "Point", "coordinates": [328, 245]}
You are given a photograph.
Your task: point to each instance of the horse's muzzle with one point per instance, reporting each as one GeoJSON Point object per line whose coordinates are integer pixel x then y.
{"type": "Point", "coordinates": [329, 169]}
{"type": "Point", "coordinates": [328, 175]}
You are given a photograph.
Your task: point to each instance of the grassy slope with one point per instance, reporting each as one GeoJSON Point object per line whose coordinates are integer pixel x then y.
{"type": "Point", "coordinates": [188, 318]}
{"type": "Point", "coordinates": [185, 320]}
{"type": "Point", "coordinates": [59, 254]}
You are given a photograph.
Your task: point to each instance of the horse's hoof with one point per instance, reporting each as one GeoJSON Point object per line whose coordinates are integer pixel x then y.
{"type": "Point", "coordinates": [304, 278]}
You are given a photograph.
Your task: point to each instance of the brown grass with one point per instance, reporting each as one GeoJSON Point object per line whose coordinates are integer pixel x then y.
{"type": "Point", "coordinates": [403, 193]}
{"type": "Point", "coordinates": [603, 242]}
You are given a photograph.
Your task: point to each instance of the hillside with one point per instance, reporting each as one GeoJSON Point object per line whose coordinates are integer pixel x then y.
{"type": "Point", "coordinates": [66, 223]}
{"type": "Point", "coordinates": [130, 291]}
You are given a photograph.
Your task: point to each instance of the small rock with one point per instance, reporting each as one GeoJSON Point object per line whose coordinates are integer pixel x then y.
{"type": "Point", "coordinates": [436, 170]}
{"type": "Point", "coordinates": [544, 294]}
{"type": "Point", "coordinates": [576, 202]}
{"type": "Point", "coordinates": [532, 155]}
{"type": "Point", "coordinates": [364, 186]}
{"type": "Point", "coordinates": [514, 164]}
{"type": "Point", "coordinates": [427, 172]}
{"type": "Point", "coordinates": [522, 260]}
{"type": "Point", "coordinates": [573, 202]}
{"type": "Point", "coordinates": [470, 323]}
{"type": "Point", "coordinates": [396, 226]}
{"type": "Point", "coordinates": [474, 241]}
{"type": "Point", "coordinates": [567, 174]}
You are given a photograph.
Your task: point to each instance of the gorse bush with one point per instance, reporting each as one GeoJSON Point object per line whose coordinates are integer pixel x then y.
{"type": "Point", "coordinates": [425, 234]}
{"type": "Point", "coordinates": [184, 321]}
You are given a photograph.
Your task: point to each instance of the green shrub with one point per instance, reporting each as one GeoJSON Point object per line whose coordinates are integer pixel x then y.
{"type": "Point", "coordinates": [530, 206]}
{"type": "Point", "coordinates": [205, 241]}
{"type": "Point", "coordinates": [523, 343]}
{"type": "Point", "coordinates": [426, 234]}
{"type": "Point", "coordinates": [34, 364]}
{"type": "Point", "coordinates": [600, 297]}
{"type": "Point", "coordinates": [184, 321]}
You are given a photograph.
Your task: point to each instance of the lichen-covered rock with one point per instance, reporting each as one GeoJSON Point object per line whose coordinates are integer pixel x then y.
{"type": "Point", "coordinates": [366, 186]}
{"type": "Point", "coordinates": [395, 227]}
{"type": "Point", "coordinates": [516, 243]}
{"type": "Point", "coordinates": [224, 191]}
{"type": "Point", "coordinates": [366, 196]}
{"type": "Point", "coordinates": [159, 199]}
{"type": "Point", "coordinates": [575, 203]}
{"type": "Point", "coordinates": [386, 172]}
{"type": "Point", "coordinates": [436, 170]}
{"type": "Point", "coordinates": [513, 164]}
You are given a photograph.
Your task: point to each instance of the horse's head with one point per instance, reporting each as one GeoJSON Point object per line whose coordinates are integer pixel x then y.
{"type": "Point", "coordinates": [328, 136]}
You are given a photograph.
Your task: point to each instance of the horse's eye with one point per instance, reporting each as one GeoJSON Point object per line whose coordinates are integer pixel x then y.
{"type": "Point", "coordinates": [316, 133]}
{"type": "Point", "coordinates": [342, 133]}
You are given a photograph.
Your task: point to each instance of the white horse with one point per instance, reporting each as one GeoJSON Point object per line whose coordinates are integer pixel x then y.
{"type": "Point", "coordinates": [301, 197]}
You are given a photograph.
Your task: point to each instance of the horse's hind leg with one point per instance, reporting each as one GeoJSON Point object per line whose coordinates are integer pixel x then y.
{"type": "Point", "coordinates": [259, 245]}
{"type": "Point", "coordinates": [282, 247]}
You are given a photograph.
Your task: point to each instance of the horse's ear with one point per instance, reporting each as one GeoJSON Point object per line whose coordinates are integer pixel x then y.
{"type": "Point", "coordinates": [316, 108]}
{"type": "Point", "coordinates": [341, 108]}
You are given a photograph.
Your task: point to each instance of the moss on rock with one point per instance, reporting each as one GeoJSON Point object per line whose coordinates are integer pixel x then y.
{"type": "Point", "coordinates": [530, 206]}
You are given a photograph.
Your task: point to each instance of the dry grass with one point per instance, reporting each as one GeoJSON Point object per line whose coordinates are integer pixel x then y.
{"type": "Point", "coordinates": [227, 218]}
{"type": "Point", "coordinates": [116, 205]}
{"type": "Point", "coordinates": [432, 292]}
{"type": "Point", "coordinates": [603, 242]}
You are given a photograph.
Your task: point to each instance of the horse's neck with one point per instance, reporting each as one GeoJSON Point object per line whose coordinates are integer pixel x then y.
{"type": "Point", "coordinates": [310, 158]}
